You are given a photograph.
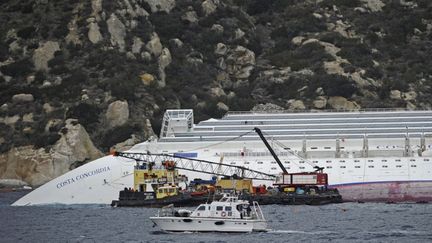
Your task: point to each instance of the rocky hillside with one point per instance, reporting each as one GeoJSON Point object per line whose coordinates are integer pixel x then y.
{"type": "Point", "coordinates": [78, 77]}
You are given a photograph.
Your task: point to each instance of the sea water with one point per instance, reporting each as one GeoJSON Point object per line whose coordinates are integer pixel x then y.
{"type": "Point", "coordinates": [346, 222]}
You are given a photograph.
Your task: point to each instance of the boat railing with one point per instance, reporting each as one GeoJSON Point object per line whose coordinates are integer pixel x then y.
{"type": "Point", "coordinates": [258, 211]}
{"type": "Point", "coordinates": [320, 111]}
{"type": "Point", "coordinates": [167, 211]}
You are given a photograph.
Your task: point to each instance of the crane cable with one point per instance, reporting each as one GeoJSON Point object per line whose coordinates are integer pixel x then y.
{"type": "Point", "coordinates": [222, 142]}
{"type": "Point", "coordinates": [246, 133]}
{"type": "Point", "coordinates": [284, 147]}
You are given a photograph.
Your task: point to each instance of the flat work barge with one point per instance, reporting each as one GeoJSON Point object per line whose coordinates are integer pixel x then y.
{"type": "Point", "coordinates": [138, 199]}
{"type": "Point", "coordinates": [295, 199]}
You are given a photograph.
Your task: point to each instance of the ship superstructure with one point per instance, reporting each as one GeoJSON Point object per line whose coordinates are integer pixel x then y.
{"type": "Point", "coordinates": [369, 155]}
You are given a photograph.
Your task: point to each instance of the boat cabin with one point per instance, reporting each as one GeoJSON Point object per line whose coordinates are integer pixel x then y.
{"type": "Point", "coordinates": [167, 191]}
{"type": "Point", "coordinates": [227, 207]}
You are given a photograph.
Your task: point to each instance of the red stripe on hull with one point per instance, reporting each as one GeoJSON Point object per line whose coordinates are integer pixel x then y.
{"type": "Point", "coordinates": [387, 192]}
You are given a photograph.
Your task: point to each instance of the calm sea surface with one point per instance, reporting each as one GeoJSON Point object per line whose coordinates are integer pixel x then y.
{"type": "Point", "coordinates": [348, 222]}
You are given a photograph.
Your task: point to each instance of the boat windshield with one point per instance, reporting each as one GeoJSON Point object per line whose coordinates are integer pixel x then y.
{"type": "Point", "coordinates": [229, 199]}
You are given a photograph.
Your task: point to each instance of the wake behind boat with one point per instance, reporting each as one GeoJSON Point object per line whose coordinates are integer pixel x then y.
{"type": "Point", "coordinates": [227, 215]}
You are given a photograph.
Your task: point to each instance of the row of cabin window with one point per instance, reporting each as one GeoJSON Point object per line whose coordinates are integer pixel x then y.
{"type": "Point", "coordinates": [370, 166]}
{"type": "Point", "coordinates": [165, 190]}
{"type": "Point", "coordinates": [218, 208]}
{"type": "Point", "coordinates": [325, 148]}
{"type": "Point", "coordinates": [378, 147]}
{"type": "Point", "coordinates": [343, 167]}
{"type": "Point", "coordinates": [369, 160]}
{"type": "Point", "coordinates": [252, 154]}
{"type": "Point", "coordinates": [329, 161]}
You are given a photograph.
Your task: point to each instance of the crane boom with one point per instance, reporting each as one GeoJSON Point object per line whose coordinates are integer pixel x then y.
{"type": "Point", "coordinates": [203, 166]}
{"type": "Point", "coordinates": [257, 130]}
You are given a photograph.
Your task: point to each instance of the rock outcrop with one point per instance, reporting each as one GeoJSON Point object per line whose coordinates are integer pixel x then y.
{"type": "Point", "coordinates": [33, 166]}
{"type": "Point", "coordinates": [341, 103]}
{"type": "Point", "coordinates": [96, 7]}
{"type": "Point", "coordinates": [209, 6]}
{"type": "Point", "coordinates": [22, 98]}
{"type": "Point", "coordinates": [190, 16]}
{"type": "Point", "coordinates": [161, 5]}
{"type": "Point", "coordinates": [94, 34]}
{"type": "Point", "coordinates": [117, 113]}
{"type": "Point", "coordinates": [154, 46]}
{"type": "Point", "coordinates": [296, 105]}
{"type": "Point", "coordinates": [374, 5]}
{"type": "Point", "coordinates": [240, 62]}
{"type": "Point", "coordinates": [12, 183]}
{"type": "Point", "coordinates": [44, 53]}
{"type": "Point", "coordinates": [10, 120]}
{"type": "Point", "coordinates": [269, 107]}
{"type": "Point", "coordinates": [320, 102]}
{"type": "Point", "coordinates": [74, 146]}
{"type": "Point", "coordinates": [137, 45]}
{"type": "Point", "coordinates": [164, 60]}
{"type": "Point", "coordinates": [395, 94]}
{"type": "Point", "coordinates": [117, 31]}
{"type": "Point", "coordinates": [38, 166]}
{"type": "Point", "coordinates": [126, 145]}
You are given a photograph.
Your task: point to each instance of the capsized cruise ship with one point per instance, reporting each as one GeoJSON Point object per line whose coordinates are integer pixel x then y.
{"type": "Point", "coordinates": [370, 155]}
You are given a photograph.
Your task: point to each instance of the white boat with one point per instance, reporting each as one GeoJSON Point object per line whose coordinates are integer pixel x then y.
{"type": "Point", "coordinates": [376, 155]}
{"type": "Point", "coordinates": [226, 215]}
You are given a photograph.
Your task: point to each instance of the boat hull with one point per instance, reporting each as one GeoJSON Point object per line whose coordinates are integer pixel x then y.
{"type": "Point", "coordinates": [97, 182]}
{"type": "Point", "coordinates": [196, 224]}
{"type": "Point", "coordinates": [394, 191]}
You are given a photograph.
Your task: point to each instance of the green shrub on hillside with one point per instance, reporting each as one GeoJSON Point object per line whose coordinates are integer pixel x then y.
{"type": "Point", "coordinates": [26, 32]}
{"type": "Point", "coordinates": [341, 3]}
{"type": "Point", "coordinates": [334, 85]}
{"type": "Point", "coordinates": [124, 88]}
{"type": "Point", "coordinates": [7, 133]}
{"type": "Point", "coordinates": [168, 26]}
{"type": "Point", "coordinates": [45, 139]}
{"type": "Point", "coordinates": [357, 54]}
{"type": "Point", "coordinates": [306, 56]}
{"type": "Point", "coordinates": [87, 114]}
{"type": "Point", "coordinates": [18, 68]}
{"type": "Point", "coordinates": [116, 135]}
{"type": "Point", "coordinates": [4, 51]}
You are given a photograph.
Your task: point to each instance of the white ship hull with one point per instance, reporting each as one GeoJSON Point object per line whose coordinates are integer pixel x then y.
{"type": "Point", "coordinates": [97, 182]}
{"type": "Point", "coordinates": [369, 156]}
{"type": "Point", "coordinates": [197, 224]}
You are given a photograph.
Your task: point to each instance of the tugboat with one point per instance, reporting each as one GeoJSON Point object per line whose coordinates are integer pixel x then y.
{"type": "Point", "coordinates": [230, 214]}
